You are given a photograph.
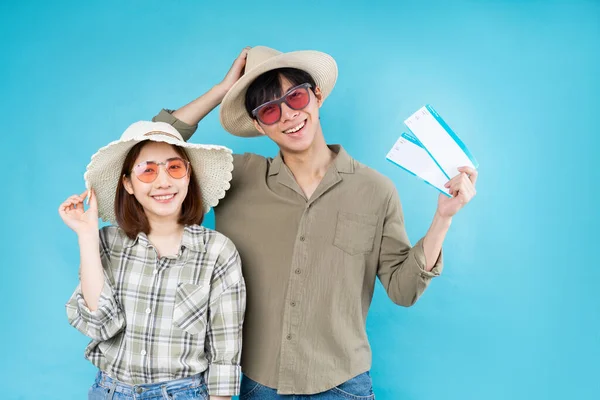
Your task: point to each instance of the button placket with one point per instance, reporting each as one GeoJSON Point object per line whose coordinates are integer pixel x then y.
{"type": "Point", "coordinates": [298, 271]}
{"type": "Point", "coordinates": [300, 260]}
{"type": "Point", "coordinates": [290, 318]}
{"type": "Point", "coordinates": [161, 263]}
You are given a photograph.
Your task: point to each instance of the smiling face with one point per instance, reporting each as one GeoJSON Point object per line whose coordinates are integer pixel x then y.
{"type": "Point", "coordinates": [162, 198]}
{"type": "Point", "coordinates": [296, 131]}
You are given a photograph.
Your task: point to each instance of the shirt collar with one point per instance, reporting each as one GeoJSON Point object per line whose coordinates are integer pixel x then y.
{"type": "Point", "coordinates": [342, 162]}
{"type": "Point", "coordinates": [193, 239]}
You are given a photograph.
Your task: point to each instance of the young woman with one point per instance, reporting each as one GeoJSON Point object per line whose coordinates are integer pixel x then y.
{"type": "Point", "coordinates": [161, 297]}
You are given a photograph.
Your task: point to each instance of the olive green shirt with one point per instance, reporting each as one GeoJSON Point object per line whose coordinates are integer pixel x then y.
{"type": "Point", "coordinates": [310, 266]}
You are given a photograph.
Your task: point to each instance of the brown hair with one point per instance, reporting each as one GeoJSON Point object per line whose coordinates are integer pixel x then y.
{"type": "Point", "coordinates": [129, 212]}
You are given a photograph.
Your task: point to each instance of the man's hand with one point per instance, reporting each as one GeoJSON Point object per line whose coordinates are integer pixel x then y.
{"type": "Point", "coordinates": [235, 72]}
{"type": "Point", "coordinates": [462, 189]}
{"type": "Point", "coordinates": [196, 110]}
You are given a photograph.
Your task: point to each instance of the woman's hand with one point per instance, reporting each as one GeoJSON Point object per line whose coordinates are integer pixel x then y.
{"type": "Point", "coordinates": [83, 222]}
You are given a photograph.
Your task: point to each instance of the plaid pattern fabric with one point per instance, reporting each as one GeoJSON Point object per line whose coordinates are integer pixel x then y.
{"type": "Point", "coordinates": [166, 318]}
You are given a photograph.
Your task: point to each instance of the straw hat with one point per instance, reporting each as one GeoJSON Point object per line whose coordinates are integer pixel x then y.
{"type": "Point", "coordinates": [212, 165]}
{"type": "Point", "coordinates": [260, 59]}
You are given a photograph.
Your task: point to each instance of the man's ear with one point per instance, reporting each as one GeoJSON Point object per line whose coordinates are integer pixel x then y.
{"type": "Point", "coordinates": [258, 127]}
{"type": "Point", "coordinates": [319, 96]}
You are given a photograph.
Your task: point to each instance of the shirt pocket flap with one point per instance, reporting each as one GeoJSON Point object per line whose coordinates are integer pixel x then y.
{"type": "Point", "coordinates": [355, 233]}
{"type": "Point", "coordinates": [191, 305]}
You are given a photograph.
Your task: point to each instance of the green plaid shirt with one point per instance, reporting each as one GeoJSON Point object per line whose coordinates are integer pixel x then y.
{"type": "Point", "coordinates": [165, 318]}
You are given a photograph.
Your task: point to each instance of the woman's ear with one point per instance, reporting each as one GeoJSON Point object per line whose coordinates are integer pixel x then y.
{"type": "Point", "coordinates": [127, 184]}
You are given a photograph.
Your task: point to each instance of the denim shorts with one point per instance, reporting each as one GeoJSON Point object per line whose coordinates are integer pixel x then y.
{"type": "Point", "coordinates": [358, 388]}
{"type": "Point", "coordinates": [106, 388]}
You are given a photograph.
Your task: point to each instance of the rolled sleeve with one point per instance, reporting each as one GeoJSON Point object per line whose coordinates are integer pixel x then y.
{"type": "Point", "coordinates": [100, 324]}
{"type": "Point", "coordinates": [401, 267]}
{"type": "Point", "coordinates": [223, 380]}
{"type": "Point", "coordinates": [418, 253]}
{"type": "Point", "coordinates": [185, 129]}
{"type": "Point", "coordinates": [224, 339]}
{"type": "Point", "coordinates": [224, 335]}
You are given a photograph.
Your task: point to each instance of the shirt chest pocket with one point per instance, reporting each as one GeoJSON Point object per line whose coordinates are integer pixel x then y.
{"type": "Point", "coordinates": [355, 233]}
{"type": "Point", "coordinates": [191, 306]}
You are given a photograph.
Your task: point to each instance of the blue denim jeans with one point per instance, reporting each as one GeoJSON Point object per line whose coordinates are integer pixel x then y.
{"type": "Point", "coordinates": [106, 388]}
{"type": "Point", "coordinates": [358, 388]}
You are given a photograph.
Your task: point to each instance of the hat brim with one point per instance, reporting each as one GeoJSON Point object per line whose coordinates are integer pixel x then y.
{"type": "Point", "coordinates": [212, 166]}
{"type": "Point", "coordinates": [234, 118]}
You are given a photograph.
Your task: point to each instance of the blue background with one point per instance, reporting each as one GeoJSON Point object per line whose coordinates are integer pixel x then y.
{"type": "Point", "coordinates": [516, 314]}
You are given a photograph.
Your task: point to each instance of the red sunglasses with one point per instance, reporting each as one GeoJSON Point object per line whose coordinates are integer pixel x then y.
{"type": "Point", "coordinates": [296, 98]}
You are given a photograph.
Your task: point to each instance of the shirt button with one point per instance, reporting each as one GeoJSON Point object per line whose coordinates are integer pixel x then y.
{"type": "Point", "coordinates": [143, 352]}
{"type": "Point", "coordinates": [155, 272]}
{"type": "Point", "coordinates": [148, 310]}
{"type": "Point", "coordinates": [298, 271]}
{"type": "Point", "coordinates": [302, 238]}
{"type": "Point", "coordinates": [293, 304]}
{"type": "Point", "coordinates": [289, 337]}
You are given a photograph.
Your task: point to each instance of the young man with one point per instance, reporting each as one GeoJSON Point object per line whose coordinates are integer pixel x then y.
{"type": "Point", "coordinates": [314, 228]}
